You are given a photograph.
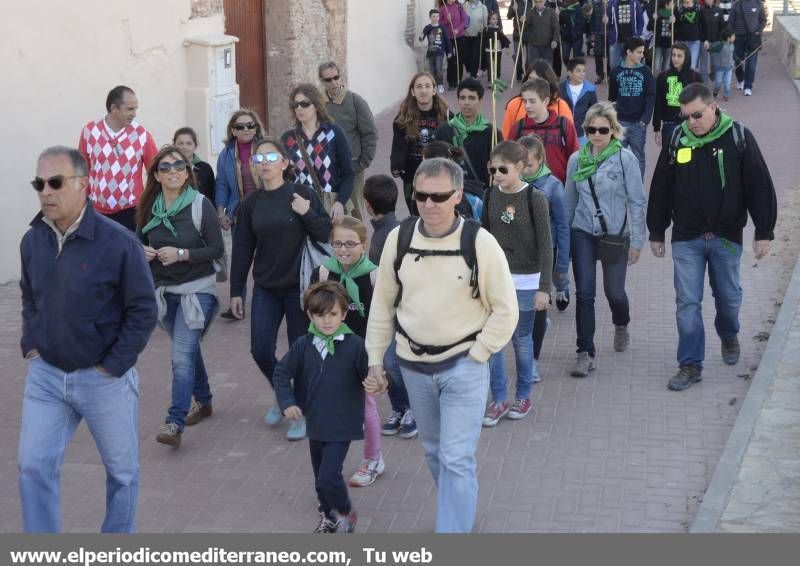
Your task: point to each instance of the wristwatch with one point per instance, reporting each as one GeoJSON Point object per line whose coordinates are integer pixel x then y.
{"type": "Point", "coordinates": [181, 253]}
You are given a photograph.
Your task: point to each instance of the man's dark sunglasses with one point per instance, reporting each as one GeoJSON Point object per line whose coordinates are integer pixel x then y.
{"type": "Point", "coordinates": [55, 182]}
{"type": "Point", "coordinates": [435, 197]}
{"type": "Point", "coordinates": [330, 79]}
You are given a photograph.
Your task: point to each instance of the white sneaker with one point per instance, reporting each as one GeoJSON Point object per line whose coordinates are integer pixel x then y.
{"type": "Point", "coordinates": [740, 85]}
{"type": "Point", "coordinates": [441, 89]}
{"type": "Point", "coordinates": [368, 472]}
{"type": "Point", "coordinates": [748, 92]}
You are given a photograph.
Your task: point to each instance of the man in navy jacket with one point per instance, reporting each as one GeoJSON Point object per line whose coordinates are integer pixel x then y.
{"type": "Point", "coordinates": [88, 308]}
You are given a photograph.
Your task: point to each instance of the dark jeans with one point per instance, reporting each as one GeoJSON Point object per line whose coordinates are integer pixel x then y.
{"type": "Point", "coordinates": [435, 66]}
{"type": "Point", "coordinates": [126, 217]}
{"type": "Point", "coordinates": [584, 267]}
{"type": "Point", "coordinates": [520, 63]}
{"type": "Point", "coordinates": [571, 49]}
{"type": "Point", "coordinates": [472, 54]}
{"type": "Point", "coordinates": [268, 310]}
{"type": "Point", "coordinates": [535, 52]}
{"type": "Point", "coordinates": [327, 459]}
{"type": "Point", "coordinates": [398, 396]}
{"type": "Point", "coordinates": [455, 64]}
{"type": "Point", "coordinates": [600, 46]}
{"type": "Point", "coordinates": [746, 72]}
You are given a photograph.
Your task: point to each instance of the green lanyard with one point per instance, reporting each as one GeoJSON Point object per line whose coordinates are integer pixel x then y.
{"type": "Point", "coordinates": [721, 165]}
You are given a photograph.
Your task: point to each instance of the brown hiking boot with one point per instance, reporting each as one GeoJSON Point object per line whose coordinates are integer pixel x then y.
{"type": "Point", "coordinates": [197, 413]}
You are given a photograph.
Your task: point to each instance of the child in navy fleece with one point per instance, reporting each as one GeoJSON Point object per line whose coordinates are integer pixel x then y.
{"type": "Point", "coordinates": [321, 378]}
{"type": "Point", "coordinates": [438, 47]}
{"type": "Point", "coordinates": [632, 89]}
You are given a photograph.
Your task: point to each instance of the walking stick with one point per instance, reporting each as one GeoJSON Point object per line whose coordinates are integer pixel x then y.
{"type": "Point", "coordinates": [753, 52]}
{"type": "Point", "coordinates": [493, 73]}
{"type": "Point", "coordinates": [655, 37]}
{"type": "Point", "coordinates": [606, 54]}
{"type": "Point", "coordinates": [519, 45]}
{"type": "Point", "coordinates": [480, 56]}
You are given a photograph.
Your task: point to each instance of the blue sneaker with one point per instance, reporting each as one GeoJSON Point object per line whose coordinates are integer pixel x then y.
{"type": "Point", "coordinates": [273, 416]}
{"type": "Point", "coordinates": [297, 429]}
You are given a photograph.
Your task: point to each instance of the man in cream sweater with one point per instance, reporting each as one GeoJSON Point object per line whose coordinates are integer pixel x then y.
{"type": "Point", "coordinates": [445, 335]}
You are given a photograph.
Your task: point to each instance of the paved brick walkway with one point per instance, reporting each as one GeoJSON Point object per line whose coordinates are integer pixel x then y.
{"type": "Point", "coordinates": [613, 452]}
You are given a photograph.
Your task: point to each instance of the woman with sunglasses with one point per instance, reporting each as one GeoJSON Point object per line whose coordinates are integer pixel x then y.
{"type": "Point", "coordinates": [319, 150]}
{"type": "Point", "coordinates": [517, 216]}
{"type": "Point", "coordinates": [515, 108]}
{"type": "Point", "coordinates": [272, 226]}
{"type": "Point", "coordinates": [414, 128]}
{"type": "Point", "coordinates": [234, 176]}
{"type": "Point", "coordinates": [181, 237]}
{"type": "Point", "coordinates": [603, 175]}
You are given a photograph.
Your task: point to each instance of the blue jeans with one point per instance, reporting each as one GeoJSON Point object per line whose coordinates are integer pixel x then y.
{"type": "Point", "coordinates": [694, 50]}
{"type": "Point", "coordinates": [584, 267]}
{"type": "Point", "coordinates": [398, 396]}
{"type": "Point", "coordinates": [666, 132]}
{"type": "Point", "coordinates": [448, 407]}
{"type": "Point", "coordinates": [635, 138]}
{"type": "Point", "coordinates": [690, 258]}
{"type": "Point", "coordinates": [722, 81]}
{"type": "Point", "coordinates": [189, 376]}
{"type": "Point", "coordinates": [52, 408]}
{"type": "Point", "coordinates": [436, 66]}
{"type": "Point", "coordinates": [662, 59]}
{"type": "Point", "coordinates": [267, 312]}
{"type": "Point", "coordinates": [746, 72]}
{"type": "Point", "coordinates": [522, 340]}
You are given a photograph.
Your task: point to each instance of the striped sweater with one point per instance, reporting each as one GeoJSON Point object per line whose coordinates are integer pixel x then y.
{"type": "Point", "coordinates": [116, 164]}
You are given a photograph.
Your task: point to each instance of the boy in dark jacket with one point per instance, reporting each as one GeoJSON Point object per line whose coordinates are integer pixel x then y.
{"type": "Point", "coordinates": [632, 89]}
{"type": "Point", "coordinates": [579, 94]}
{"type": "Point", "coordinates": [323, 378]}
{"type": "Point", "coordinates": [689, 29]}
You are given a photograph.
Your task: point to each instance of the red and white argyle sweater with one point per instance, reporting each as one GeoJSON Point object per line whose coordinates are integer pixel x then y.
{"type": "Point", "coordinates": [116, 164]}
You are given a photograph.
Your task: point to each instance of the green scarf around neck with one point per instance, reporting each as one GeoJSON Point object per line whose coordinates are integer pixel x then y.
{"type": "Point", "coordinates": [162, 216]}
{"type": "Point", "coordinates": [463, 129]}
{"type": "Point", "coordinates": [543, 171]}
{"type": "Point", "coordinates": [688, 139]}
{"type": "Point", "coordinates": [347, 278]}
{"type": "Point", "coordinates": [343, 329]}
{"type": "Point", "coordinates": [195, 159]}
{"type": "Point", "coordinates": [588, 163]}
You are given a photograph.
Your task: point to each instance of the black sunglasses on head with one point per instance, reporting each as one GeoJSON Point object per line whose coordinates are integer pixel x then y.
{"type": "Point", "coordinates": [435, 197]}
{"type": "Point", "coordinates": [329, 79]}
{"type": "Point", "coordinates": [55, 182]}
{"type": "Point", "coordinates": [301, 104]}
{"type": "Point", "coordinates": [165, 166]}
{"type": "Point", "coordinates": [603, 131]}
{"type": "Point", "coordinates": [247, 126]}
{"type": "Point", "coordinates": [502, 170]}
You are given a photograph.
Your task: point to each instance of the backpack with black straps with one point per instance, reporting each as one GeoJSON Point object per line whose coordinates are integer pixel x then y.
{"type": "Point", "coordinates": [469, 233]}
{"type": "Point", "coordinates": [738, 138]}
{"type": "Point", "coordinates": [561, 124]}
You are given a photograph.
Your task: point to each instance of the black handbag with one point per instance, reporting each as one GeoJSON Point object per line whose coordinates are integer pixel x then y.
{"type": "Point", "coordinates": [611, 248]}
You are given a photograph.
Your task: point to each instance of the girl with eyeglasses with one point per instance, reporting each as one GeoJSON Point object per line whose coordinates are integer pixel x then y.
{"type": "Point", "coordinates": [351, 267]}
{"type": "Point", "coordinates": [272, 226]}
{"type": "Point", "coordinates": [235, 179]}
{"type": "Point", "coordinates": [181, 238]}
{"type": "Point", "coordinates": [517, 216]}
{"type": "Point", "coordinates": [603, 175]}
{"type": "Point", "coordinates": [319, 151]}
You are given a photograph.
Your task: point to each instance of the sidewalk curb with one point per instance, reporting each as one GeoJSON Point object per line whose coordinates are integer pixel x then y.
{"type": "Point", "coordinates": [719, 489]}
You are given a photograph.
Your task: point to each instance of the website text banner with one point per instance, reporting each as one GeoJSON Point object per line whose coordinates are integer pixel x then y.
{"type": "Point", "coordinates": [401, 550]}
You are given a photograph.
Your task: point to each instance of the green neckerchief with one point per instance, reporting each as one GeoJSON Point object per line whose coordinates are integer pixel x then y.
{"type": "Point", "coordinates": [688, 139]}
{"type": "Point", "coordinates": [343, 329]}
{"type": "Point", "coordinates": [463, 130]}
{"type": "Point", "coordinates": [160, 213]}
{"type": "Point", "coordinates": [195, 159]}
{"type": "Point", "coordinates": [347, 278]}
{"type": "Point", "coordinates": [588, 163]}
{"type": "Point", "coordinates": [543, 171]}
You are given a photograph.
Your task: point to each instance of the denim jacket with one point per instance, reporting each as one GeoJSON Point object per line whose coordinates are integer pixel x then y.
{"type": "Point", "coordinates": [620, 191]}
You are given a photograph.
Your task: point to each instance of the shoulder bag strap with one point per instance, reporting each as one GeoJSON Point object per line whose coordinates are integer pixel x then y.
{"type": "Point", "coordinates": [311, 171]}
{"type": "Point", "coordinates": [597, 211]}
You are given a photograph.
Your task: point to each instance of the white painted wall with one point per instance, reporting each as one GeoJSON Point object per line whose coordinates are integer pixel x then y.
{"type": "Point", "coordinates": [379, 62]}
{"type": "Point", "coordinates": [60, 59]}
